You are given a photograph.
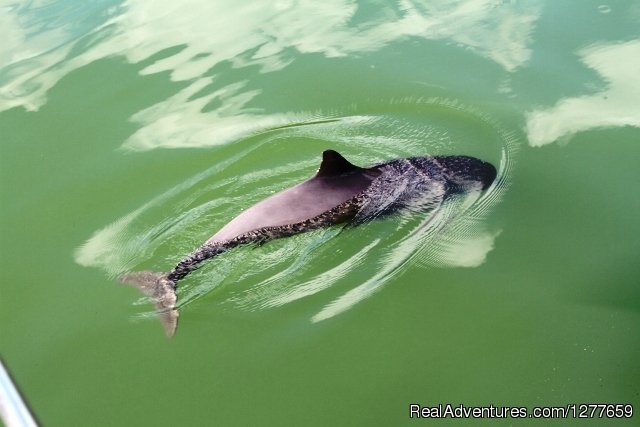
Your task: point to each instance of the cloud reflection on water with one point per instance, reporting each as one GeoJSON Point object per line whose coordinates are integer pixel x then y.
{"type": "Point", "coordinates": [617, 105]}
{"type": "Point", "coordinates": [257, 34]}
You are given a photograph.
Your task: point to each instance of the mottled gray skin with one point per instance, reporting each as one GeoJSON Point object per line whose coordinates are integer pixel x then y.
{"type": "Point", "coordinates": [339, 192]}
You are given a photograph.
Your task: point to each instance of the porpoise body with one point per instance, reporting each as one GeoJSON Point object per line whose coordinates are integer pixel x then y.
{"type": "Point", "coordinates": [339, 192]}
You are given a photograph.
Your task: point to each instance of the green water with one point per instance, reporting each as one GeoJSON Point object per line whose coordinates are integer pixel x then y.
{"type": "Point", "coordinates": [131, 131]}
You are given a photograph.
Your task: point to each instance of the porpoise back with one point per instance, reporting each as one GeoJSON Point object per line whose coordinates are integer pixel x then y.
{"type": "Point", "coordinates": [336, 182]}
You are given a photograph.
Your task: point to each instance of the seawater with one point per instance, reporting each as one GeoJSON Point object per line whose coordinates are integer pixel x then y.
{"type": "Point", "coordinates": [131, 131]}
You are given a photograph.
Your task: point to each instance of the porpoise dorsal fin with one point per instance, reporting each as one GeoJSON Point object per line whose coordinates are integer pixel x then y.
{"type": "Point", "coordinates": [334, 164]}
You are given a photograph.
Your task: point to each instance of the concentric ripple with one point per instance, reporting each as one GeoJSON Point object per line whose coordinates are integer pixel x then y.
{"type": "Point", "coordinates": [355, 261]}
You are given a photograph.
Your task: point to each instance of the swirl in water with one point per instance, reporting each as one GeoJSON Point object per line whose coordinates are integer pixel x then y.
{"type": "Point", "coordinates": [449, 233]}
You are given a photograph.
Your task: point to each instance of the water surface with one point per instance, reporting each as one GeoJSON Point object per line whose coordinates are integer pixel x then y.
{"type": "Point", "coordinates": [131, 131]}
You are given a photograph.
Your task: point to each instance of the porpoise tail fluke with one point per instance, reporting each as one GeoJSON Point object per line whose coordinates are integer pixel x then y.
{"type": "Point", "coordinates": [161, 290]}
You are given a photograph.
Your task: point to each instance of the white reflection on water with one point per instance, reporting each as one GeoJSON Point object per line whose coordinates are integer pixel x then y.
{"type": "Point", "coordinates": [178, 123]}
{"type": "Point", "coordinates": [617, 105]}
{"type": "Point", "coordinates": [449, 234]}
{"type": "Point", "coordinates": [252, 33]}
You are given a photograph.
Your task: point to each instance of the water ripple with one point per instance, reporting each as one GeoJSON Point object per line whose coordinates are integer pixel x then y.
{"type": "Point", "coordinates": [364, 257]}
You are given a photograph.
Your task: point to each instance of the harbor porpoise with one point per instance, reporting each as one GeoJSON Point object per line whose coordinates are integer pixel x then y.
{"type": "Point", "coordinates": [339, 192]}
